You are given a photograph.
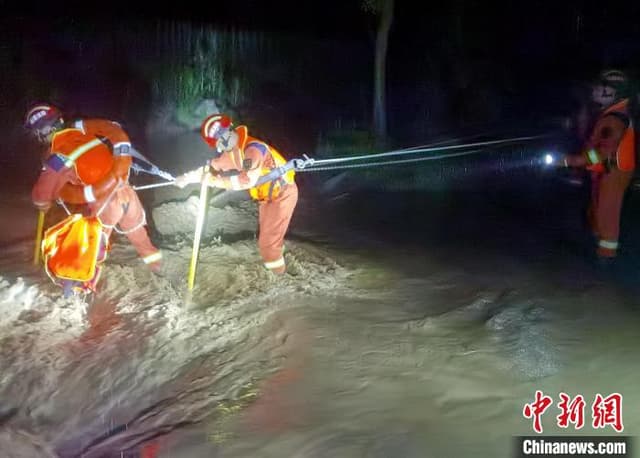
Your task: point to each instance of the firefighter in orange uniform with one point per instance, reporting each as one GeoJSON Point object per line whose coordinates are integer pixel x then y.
{"type": "Point", "coordinates": [88, 163]}
{"type": "Point", "coordinates": [609, 154]}
{"type": "Point", "coordinates": [240, 163]}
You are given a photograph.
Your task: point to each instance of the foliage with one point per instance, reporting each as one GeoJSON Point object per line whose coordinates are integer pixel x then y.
{"type": "Point", "coordinates": [201, 65]}
{"type": "Point", "coordinates": [372, 6]}
{"type": "Point", "coordinates": [255, 75]}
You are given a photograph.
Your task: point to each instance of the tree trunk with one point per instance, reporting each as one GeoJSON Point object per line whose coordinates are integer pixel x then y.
{"type": "Point", "coordinates": [382, 41]}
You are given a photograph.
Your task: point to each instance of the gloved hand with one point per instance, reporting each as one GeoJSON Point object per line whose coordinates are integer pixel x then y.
{"type": "Point", "coordinates": [195, 176]}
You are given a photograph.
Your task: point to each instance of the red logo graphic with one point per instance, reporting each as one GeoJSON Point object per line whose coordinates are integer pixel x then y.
{"type": "Point", "coordinates": [608, 411]}
{"type": "Point", "coordinates": [572, 411]}
{"type": "Point", "coordinates": [536, 409]}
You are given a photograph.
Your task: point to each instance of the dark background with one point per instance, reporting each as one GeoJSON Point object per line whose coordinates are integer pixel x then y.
{"type": "Point", "coordinates": [454, 68]}
{"type": "Point", "coordinates": [493, 62]}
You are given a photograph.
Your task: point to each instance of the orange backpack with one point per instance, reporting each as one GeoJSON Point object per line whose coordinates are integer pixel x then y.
{"type": "Point", "coordinates": [73, 249]}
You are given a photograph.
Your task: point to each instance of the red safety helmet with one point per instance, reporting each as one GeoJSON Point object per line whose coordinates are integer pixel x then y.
{"type": "Point", "coordinates": [214, 127]}
{"type": "Point", "coordinates": [43, 119]}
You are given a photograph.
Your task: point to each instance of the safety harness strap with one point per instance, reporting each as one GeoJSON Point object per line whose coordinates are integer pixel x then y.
{"type": "Point", "coordinates": [79, 151]}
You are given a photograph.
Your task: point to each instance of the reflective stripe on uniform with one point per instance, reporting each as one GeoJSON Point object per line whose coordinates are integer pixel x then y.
{"type": "Point", "coordinates": [42, 204]}
{"type": "Point", "coordinates": [119, 144]}
{"type": "Point", "coordinates": [152, 258]}
{"type": "Point", "coordinates": [79, 124]}
{"type": "Point", "coordinates": [608, 244]}
{"type": "Point", "coordinates": [235, 182]}
{"type": "Point", "coordinates": [593, 156]}
{"type": "Point", "coordinates": [274, 264]}
{"type": "Point", "coordinates": [71, 158]}
{"type": "Point", "coordinates": [88, 194]}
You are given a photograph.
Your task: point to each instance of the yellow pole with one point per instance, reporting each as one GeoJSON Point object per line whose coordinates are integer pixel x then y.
{"type": "Point", "coordinates": [39, 230]}
{"type": "Point", "coordinates": [202, 208]}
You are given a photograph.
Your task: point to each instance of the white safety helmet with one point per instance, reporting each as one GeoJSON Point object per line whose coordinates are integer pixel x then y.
{"type": "Point", "coordinates": [610, 87]}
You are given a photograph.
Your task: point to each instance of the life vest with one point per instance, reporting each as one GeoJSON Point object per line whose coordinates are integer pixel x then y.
{"type": "Point", "coordinates": [271, 159]}
{"type": "Point", "coordinates": [626, 153]}
{"type": "Point", "coordinates": [73, 249]}
{"type": "Point", "coordinates": [98, 170]}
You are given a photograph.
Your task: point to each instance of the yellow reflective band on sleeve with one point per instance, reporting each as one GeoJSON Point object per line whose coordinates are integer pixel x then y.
{"type": "Point", "coordinates": [274, 264]}
{"type": "Point", "coordinates": [593, 157]}
{"type": "Point", "coordinates": [152, 258]}
{"type": "Point", "coordinates": [73, 157]}
{"type": "Point", "coordinates": [608, 244]}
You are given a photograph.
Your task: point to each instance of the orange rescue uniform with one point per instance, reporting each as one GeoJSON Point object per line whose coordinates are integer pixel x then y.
{"type": "Point", "coordinates": [611, 155]}
{"type": "Point", "coordinates": [240, 169]}
{"type": "Point", "coordinates": [81, 157]}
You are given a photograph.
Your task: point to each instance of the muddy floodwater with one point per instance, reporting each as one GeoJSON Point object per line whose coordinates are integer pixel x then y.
{"type": "Point", "coordinates": [395, 334]}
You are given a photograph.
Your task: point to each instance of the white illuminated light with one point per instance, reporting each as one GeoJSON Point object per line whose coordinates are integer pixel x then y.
{"type": "Point", "coordinates": [549, 159]}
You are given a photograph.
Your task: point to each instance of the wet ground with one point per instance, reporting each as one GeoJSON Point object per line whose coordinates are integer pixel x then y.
{"type": "Point", "coordinates": [410, 325]}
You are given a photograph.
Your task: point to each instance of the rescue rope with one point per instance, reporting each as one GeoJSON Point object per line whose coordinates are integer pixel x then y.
{"type": "Point", "coordinates": [381, 163]}
{"type": "Point", "coordinates": [108, 199]}
{"type": "Point", "coordinates": [419, 149]}
{"type": "Point", "coordinates": [307, 164]}
{"type": "Point", "coordinates": [155, 170]}
{"type": "Point", "coordinates": [142, 222]}
{"type": "Point", "coordinates": [154, 185]}
{"type": "Point", "coordinates": [62, 204]}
